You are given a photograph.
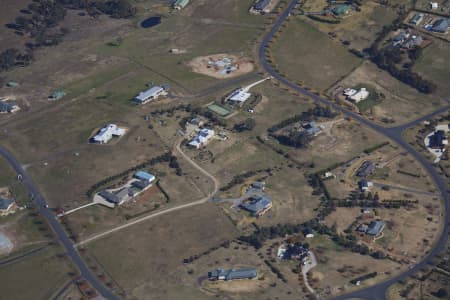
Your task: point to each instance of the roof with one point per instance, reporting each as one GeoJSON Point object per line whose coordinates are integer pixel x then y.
{"type": "Point", "coordinates": [7, 106]}
{"type": "Point", "coordinates": [152, 92]}
{"type": "Point", "coordinates": [261, 4]}
{"type": "Point", "coordinates": [375, 227]}
{"type": "Point", "coordinates": [239, 96]}
{"type": "Point", "coordinates": [365, 169]}
{"type": "Point", "coordinates": [257, 204]}
{"type": "Point", "coordinates": [181, 3]}
{"type": "Point", "coordinates": [232, 274]}
{"type": "Point", "coordinates": [144, 176]}
{"type": "Point", "coordinates": [5, 203]}
{"type": "Point", "coordinates": [340, 9]}
{"type": "Point", "coordinates": [437, 139]}
{"type": "Point", "coordinates": [141, 184]}
{"type": "Point", "coordinates": [416, 18]}
{"type": "Point", "coordinates": [441, 25]}
{"type": "Point", "coordinates": [110, 197]}
{"type": "Point", "coordinates": [242, 274]}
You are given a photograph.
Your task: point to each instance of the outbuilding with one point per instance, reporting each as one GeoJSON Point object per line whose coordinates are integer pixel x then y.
{"type": "Point", "coordinates": [142, 175]}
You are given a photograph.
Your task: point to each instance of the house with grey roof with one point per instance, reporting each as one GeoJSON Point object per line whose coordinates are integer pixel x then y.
{"type": "Point", "coordinates": [6, 206]}
{"type": "Point", "coordinates": [258, 205]}
{"type": "Point", "coordinates": [232, 274]}
{"type": "Point", "coordinates": [375, 228]}
{"type": "Point", "coordinates": [8, 106]}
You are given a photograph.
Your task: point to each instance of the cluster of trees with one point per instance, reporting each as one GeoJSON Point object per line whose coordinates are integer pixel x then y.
{"type": "Point", "coordinates": [12, 57]}
{"type": "Point", "coordinates": [387, 59]}
{"type": "Point", "coordinates": [276, 271]}
{"type": "Point", "coordinates": [40, 21]}
{"type": "Point", "coordinates": [240, 178]}
{"type": "Point", "coordinates": [191, 259]}
{"type": "Point", "coordinates": [166, 157]}
{"type": "Point", "coordinates": [261, 234]}
{"type": "Point", "coordinates": [248, 124]}
{"type": "Point", "coordinates": [324, 20]}
{"type": "Point", "coordinates": [364, 277]}
{"type": "Point", "coordinates": [114, 8]}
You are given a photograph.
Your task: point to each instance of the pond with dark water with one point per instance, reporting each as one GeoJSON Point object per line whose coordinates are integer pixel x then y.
{"type": "Point", "coordinates": [150, 22]}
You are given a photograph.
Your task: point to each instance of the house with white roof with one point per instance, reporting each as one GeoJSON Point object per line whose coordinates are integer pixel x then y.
{"type": "Point", "coordinates": [105, 134]}
{"type": "Point", "coordinates": [202, 138]}
{"type": "Point", "coordinates": [150, 94]}
{"type": "Point", "coordinates": [355, 95]}
{"type": "Point", "coordinates": [239, 96]}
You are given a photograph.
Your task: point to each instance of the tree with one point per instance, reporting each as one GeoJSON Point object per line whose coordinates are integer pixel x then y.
{"type": "Point", "coordinates": [440, 293]}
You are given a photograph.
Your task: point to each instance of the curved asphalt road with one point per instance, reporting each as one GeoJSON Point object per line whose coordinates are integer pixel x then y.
{"type": "Point", "coordinates": [60, 234]}
{"type": "Point", "coordinates": [376, 292]}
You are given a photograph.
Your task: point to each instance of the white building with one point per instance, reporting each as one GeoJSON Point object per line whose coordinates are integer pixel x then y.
{"type": "Point", "coordinates": [434, 5]}
{"type": "Point", "coordinates": [355, 95]}
{"type": "Point", "coordinates": [107, 133]}
{"type": "Point", "coordinates": [150, 94]}
{"type": "Point", "coordinates": [239, 96]}
{"type": "Point", "coordinates": [202, 138]}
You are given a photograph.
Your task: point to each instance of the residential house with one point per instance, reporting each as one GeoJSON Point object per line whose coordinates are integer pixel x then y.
{"type": "Point", "coordinates": [150, 94]}
{"type": "Point", "coordinates": [110, 197]}
{"type": "Point", "coordinates": [400, 38]}
{"type": "Point", "coordinates": [202, 138]}
{"type": "Point", "coordinates": [7, 206]}
{"type": "Point", "coordinates": [238, 97]}
{"type": "Point", "coordinates": [356, 96]}
{"type": "Point", "coordinates": [8, 106]}
{"type": "Point", "coordinates": [311, 128]}
{"type": "Point", "coordinates": [438, 140]}
{"type": "Point", "coordinates": [258, 205]}
{"type": "Point", "coordinates": [232, 274]}
{"type": "Point", "coordinates": [105, 134]}
{"type": "Point", "coordinates": [375, 228]}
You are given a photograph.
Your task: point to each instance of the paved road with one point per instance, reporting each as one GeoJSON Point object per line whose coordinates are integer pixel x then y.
{"type": "Point", "coordinates": [376, 292]}
{"type": "Point", "coordinates": [177, 148]}
{"type": "Point", "coordinates": [57, 228]}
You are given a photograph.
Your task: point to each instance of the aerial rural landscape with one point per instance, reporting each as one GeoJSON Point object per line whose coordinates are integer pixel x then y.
{"type": "Point", "coordinates": [233, 149]}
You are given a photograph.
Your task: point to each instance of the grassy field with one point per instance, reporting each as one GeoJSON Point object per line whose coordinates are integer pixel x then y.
{"type": "Point", "coordinates": [305, 54]}
{"type": "Point", "coordinates": [35, 277]}
{"type": "Point", "coordinates": [434, 65]}
{"type": "Point", "coordinates": [359, 28]}
{"type": "Point", "coordinates": [155, 250]}
{"type": "Point", "coordinates": [401, 103]}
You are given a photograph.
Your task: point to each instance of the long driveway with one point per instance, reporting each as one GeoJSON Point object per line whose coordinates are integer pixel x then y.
{"type": "Point", "coordinates": [177, 148]}
{"type": "Point", "coordinates": [378, 291]}
{"type": "Point", "coordinates": [57, 228]}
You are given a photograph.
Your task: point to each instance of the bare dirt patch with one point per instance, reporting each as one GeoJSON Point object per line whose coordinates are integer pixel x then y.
{"type": "Point", "coordinates": [221, 66]}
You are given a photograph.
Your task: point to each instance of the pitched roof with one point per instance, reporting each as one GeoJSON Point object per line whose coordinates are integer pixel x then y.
{"type": "Point", "coordinates": [5, 203]}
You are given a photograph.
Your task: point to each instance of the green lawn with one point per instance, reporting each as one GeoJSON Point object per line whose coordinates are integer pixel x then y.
{"type": "Point", "coordinates": [305, 54]}
{"type": "Point", "coordinates": [372, 100]}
